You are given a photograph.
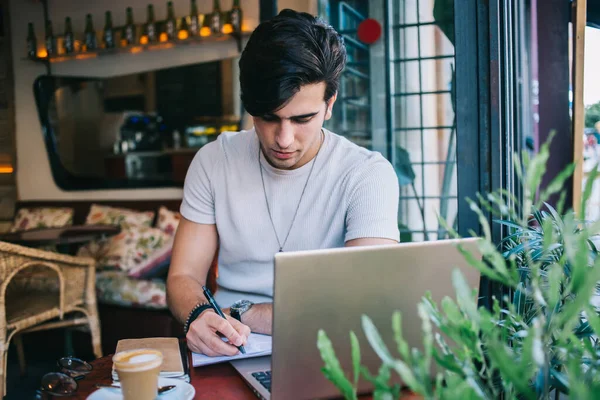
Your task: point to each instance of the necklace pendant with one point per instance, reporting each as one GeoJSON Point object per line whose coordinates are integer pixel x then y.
{"type": "Point", "coordinates": [281, 249]}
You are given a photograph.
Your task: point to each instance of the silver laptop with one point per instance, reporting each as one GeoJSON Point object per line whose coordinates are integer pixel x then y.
{"type": "Point", "coordinates": [330, 290]}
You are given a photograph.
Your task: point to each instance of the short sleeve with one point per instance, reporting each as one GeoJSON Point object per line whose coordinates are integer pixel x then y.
{"type": "Point", "coordinates": [373, 201]}
{"type": "Point", "coordinates": [198, 204]}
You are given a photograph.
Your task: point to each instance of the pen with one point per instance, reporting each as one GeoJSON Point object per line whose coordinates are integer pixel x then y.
{"type": "Point", "coordinates": [217, 309]}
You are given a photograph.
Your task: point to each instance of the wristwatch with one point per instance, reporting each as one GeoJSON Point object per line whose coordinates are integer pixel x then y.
{"type": "Point", "coordinates": [240, 307]}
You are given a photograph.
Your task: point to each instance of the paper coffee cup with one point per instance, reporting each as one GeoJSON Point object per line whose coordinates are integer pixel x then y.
{"type": "Point", "coordinates": [138, 372]}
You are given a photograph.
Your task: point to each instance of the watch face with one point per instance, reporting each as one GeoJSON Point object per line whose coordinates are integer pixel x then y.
{"type": "Point", "coordinates": [241, 305]}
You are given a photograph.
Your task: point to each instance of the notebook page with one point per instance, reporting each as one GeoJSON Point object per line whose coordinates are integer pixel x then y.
{"type": "Point", "coordinates": [258, 345]}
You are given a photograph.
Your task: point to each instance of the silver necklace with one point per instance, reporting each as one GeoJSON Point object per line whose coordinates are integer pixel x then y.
{"type": "Point", "coordinates": [281, 245]}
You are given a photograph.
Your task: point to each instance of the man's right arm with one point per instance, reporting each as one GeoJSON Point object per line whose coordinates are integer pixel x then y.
{"type": "Point", "coordinates": [193, 251]}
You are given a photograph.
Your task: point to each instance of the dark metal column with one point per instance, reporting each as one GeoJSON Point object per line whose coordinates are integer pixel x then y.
{"type": "Point", "coordinates": [268, 9]}
{"type": "Point", "coordinates": [490, 81]}
{"type": "Point", "coordinates": [553, 65]}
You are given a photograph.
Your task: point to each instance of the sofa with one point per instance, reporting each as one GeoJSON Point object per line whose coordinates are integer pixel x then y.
{"type": "Point", "coordinates": [128, 307]}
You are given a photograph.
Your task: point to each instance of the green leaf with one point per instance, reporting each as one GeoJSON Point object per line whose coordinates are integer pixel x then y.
{"type": "Point", "coordinates": [587, 192]}
{"type": "Point", "coordinates": [400, 342]}
{"type": "Point", "coordinates": [509, 224]}
{"type": "Point", "coordinates": [555, 277]}
{"type": "Point", "coordinates": [404, 170]}
{"type": "Point", "coordinates": [502, 358]}
{"type": "Point", "coordinates": [593, 319]}
{"type": "Point", "coordinates": [572, 309]}
{"type": "Point", "coordinates": [380, 382]}
{"type": "Point", "coordinates": [332, 369]}
{"type": "Point", "coordinates": [557, 184]}
{"type": "Point", "coordinates": [376, 341]}
{"type": "Point", "coordinates": [355, 346]}
{"type": "Point", "coordinates": [408, 377]}
{"type": "Point", "coordinates": [519, 299]}
{"type": "Point", "coordinates": [559, 381]}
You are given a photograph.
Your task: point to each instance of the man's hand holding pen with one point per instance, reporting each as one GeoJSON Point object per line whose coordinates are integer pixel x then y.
{"type": "Point", "coordinates": [204, 335]}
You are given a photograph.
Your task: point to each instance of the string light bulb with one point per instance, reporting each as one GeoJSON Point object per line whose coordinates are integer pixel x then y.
{"type": "Point", "coordinates": [205, 31]}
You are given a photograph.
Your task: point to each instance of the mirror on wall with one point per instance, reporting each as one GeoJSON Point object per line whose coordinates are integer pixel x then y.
{"type": "Point", "coordinates": [139, 130]}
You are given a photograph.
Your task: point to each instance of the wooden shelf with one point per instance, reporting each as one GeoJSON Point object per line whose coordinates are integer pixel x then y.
{"type": "Point", "coordinates": [113, 62]}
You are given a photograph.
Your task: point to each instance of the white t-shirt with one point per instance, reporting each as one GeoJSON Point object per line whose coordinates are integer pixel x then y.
{"type": "Point", "coordinates": [352, 193]}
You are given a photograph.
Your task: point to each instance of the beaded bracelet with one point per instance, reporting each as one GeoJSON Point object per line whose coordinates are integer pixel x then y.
{"type": "Point", "coordinates": [196, 311]}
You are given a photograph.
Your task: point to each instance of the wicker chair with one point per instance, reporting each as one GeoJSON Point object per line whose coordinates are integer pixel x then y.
{"type": "Point", "coordinates": [42, 290]}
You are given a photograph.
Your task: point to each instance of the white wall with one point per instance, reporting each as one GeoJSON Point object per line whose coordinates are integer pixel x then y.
{"type": "Point", "coordinates": [34, 180]}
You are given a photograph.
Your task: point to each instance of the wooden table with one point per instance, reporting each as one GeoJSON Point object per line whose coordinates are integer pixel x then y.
{"type": "Point", "coordinates": [219, 381]}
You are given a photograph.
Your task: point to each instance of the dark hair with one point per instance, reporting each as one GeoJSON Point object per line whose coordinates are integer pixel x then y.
{"type": "Point", "coordinates": [289, 51]}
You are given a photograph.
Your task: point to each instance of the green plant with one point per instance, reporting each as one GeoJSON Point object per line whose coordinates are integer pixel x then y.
{"type": "Point", "coordinates": [539, 338]}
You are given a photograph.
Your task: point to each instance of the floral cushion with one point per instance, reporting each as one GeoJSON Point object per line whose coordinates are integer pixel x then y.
{"type": "Point", "coordinates": [115, 287]}
{"type": "Point", "coordinates": [128, 249]}
{"type": "Point", "coordinates": [42, 217]}
{"type": "Point", "coordinates": [105, 215]}
{"type": "Point", "coordinates": [156, 265]}
{"type": "Point", "coordinates": [168, 220]}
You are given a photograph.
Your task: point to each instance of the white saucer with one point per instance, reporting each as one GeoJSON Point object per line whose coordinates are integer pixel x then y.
{"type": "Point", "coordinates": [183, 391]}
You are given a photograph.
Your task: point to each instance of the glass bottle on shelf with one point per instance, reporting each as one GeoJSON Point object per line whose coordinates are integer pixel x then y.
{"type": "Point", "coordinates": [50, 39]}
{"type": "Point", "coordinates": [69, 40]}
{"type": "Point", "coordinates": [31, 41]}
{"type": "Point", "coordinates": [236, 16]}
{"type": "Point", "coordinates": [108, 36]}
{"type": "Point", "coordinates": [89, 34]}
{"type": "Point", "coordinates": [215, 18]}
{"type": "Point", "coordinates": [183, 32]}
{"type": "Point", "coordinates": [170, 23]}
{"type": "Point", "coordinates": [205, 30]}
{"type": "Point", "coordinates": [129, 30]}
{"type": "Point", "coordinates": [194, 25]}
{"type": "Point", "coordinates": [150, 27]}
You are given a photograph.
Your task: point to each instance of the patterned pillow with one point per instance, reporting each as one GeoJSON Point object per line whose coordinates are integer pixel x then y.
{"type": "Point", "coordinates": [42, 217]}
{"type": "Point", "coordinates": [156, 265]}
{"type": "Point", "coordinates": [105, 215]}
{"type": "Point", "coordinates": [126, 250]}
{"type": "Point", "coordinates": [115, 287]}
{"type": "Point", "coordinates": [168, 220]}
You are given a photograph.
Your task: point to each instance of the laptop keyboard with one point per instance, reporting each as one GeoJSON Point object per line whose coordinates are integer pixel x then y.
{"type": "Point", "coordinates": [264, 378]}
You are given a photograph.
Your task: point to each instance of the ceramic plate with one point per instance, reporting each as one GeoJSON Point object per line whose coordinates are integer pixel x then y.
{"type": "Point", "coordinates": [184, 391]}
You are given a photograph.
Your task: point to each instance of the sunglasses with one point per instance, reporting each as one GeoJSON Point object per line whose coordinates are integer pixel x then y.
{"type": "Point", "coordinates": [64, 382]}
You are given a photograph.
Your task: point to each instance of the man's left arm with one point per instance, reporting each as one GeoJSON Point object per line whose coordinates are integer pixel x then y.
{"type": "Point", "coordinates": [372, 205]}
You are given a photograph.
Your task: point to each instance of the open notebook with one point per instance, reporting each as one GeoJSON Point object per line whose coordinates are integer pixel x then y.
{"type": "Point", "coordinates": [258, 345]}
{"type": "Point", "coordinates": [175, 355]}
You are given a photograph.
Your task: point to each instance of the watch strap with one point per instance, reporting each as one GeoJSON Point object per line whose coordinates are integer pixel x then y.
{"type": "Point", "coordinates": [235, 313]}
{"type": "Point", "coordinates": [196, 311]}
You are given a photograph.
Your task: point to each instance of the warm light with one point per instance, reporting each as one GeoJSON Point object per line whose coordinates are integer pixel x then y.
{"type": "Point", "coordinates": [227, 29]}
{"type": "Point", "coordinates": [144, 39]}
{"type": "Point", "coordinates": [84, 56]}
{"type": "Point", "coordinates": [136, 49]}
{"type": "Point", "coordinates": [205, 31]}
{"type": "Point", "coordinates": [123, 42]}
{"type": "Point", "coordinates": [6, 169]}
{"type": "Point", "coordinates": [42, 53]}
{"type": "Point", "coordinates": [182, 35]}
{"type": "Point", "coordinates": [163, 37]}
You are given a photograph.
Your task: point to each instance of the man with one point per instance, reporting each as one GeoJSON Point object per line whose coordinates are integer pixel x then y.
{"type": "Point", "coordinates": [286, 185]}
